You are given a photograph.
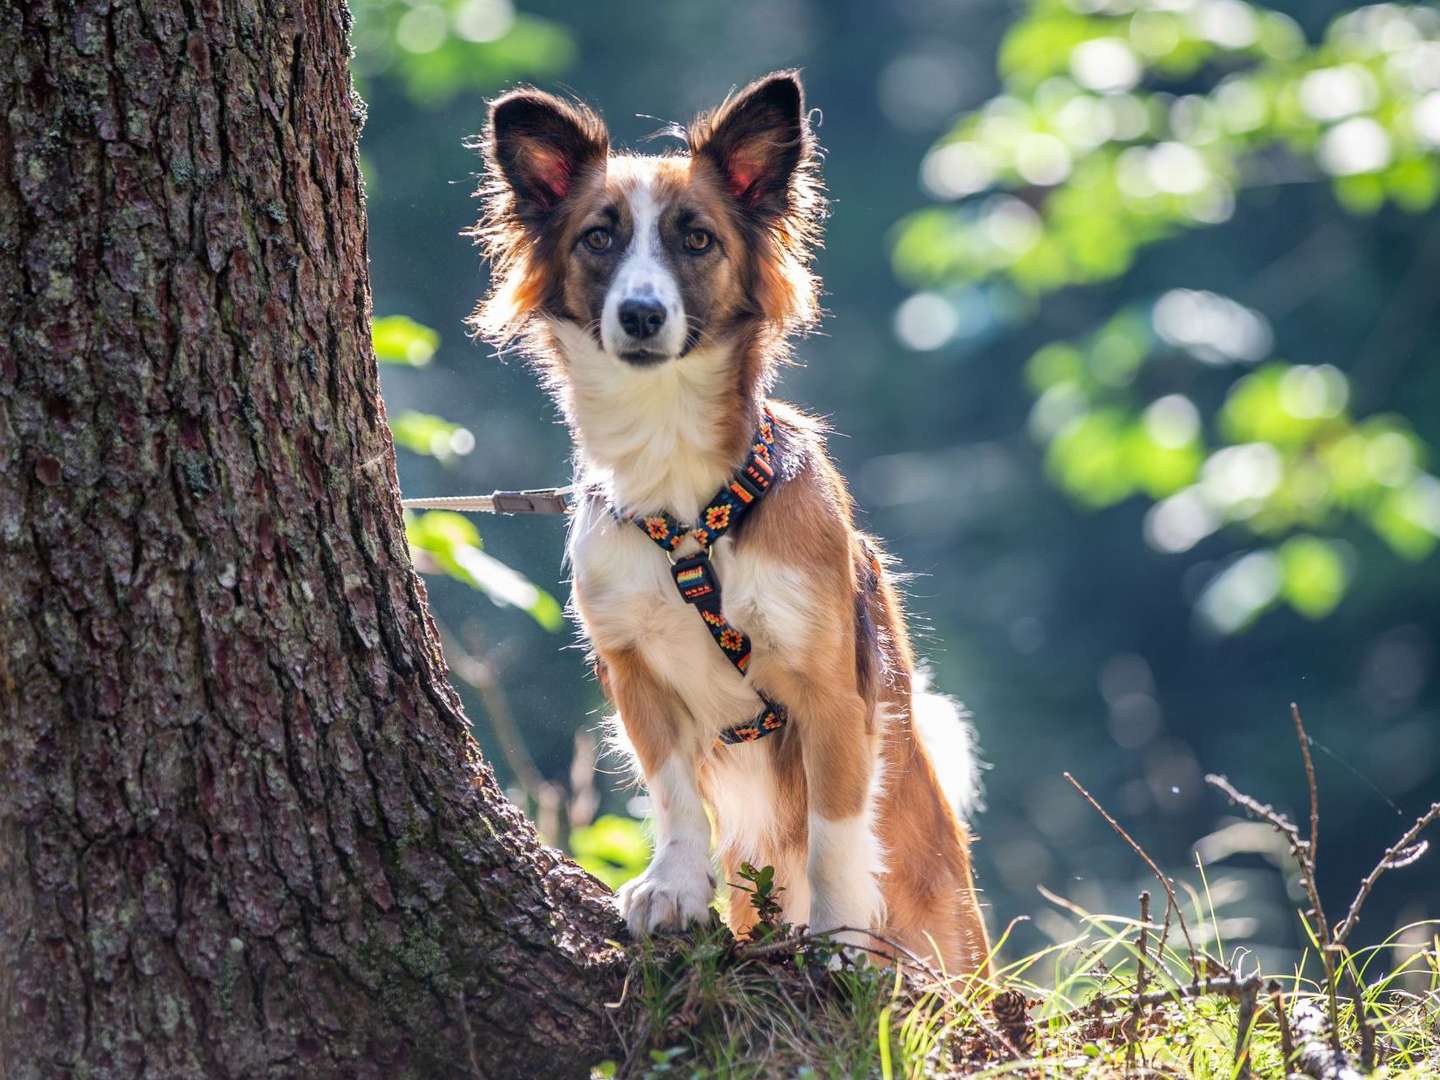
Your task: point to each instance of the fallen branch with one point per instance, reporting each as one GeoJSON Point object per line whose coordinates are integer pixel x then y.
{"type": "Point", "coordinates": [1317, 1056]}
{"type": "Point", "coordinates": [1244, 1024]}
{"type": "Point", "coordinates": [1227, 986]}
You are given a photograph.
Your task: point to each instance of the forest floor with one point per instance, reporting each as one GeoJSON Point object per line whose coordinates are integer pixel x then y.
{"type": "Point", "coordinates": [789, 1005]}
{"type": "Point", "coordinates": [1127, 996]}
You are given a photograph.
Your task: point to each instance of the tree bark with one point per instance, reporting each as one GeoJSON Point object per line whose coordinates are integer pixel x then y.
{"type": "Point", "coordinates": [243, 828]}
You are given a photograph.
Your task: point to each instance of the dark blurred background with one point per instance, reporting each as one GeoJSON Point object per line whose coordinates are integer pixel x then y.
{"type": "Point", "coordinates": [1131, 356]}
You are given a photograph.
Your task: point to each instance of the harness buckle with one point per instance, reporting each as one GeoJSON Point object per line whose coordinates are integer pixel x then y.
{"type": "Point", "coordinates": [695, 578]}
{"type": "Point", "coordinates": [745, 488]}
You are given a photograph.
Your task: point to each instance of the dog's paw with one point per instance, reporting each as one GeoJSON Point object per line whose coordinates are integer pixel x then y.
{"type": "Point", "coordinates": [670, 895]}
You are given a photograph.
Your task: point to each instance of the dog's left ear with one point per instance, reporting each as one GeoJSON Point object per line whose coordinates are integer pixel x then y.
{"type": "Point", "coordinates": [759, 140]}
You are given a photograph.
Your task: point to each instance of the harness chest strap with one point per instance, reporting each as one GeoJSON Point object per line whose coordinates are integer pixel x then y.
{"type": "Point", "coordinates": [695, 574]}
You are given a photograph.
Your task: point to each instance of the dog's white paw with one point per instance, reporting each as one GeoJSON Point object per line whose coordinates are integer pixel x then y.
{"type": "Point", "coordinates": [670, 895]}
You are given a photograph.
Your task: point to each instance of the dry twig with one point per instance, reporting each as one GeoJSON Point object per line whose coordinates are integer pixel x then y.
{"type": "Point", "coordinates": [1165, 882]}
{"type": "Point", "coordinates": [1244, 1024]}
{"type": "Point", "coordinates": [1399, 855]}
{"type": "Point", "coordinates": [1142, 955]}
{"type": "Point", "coordinates": [1282, 1020]}
{"type": "Point", "coordinates": [1228, 986]}
{"type": "Point", "coordinates": [1304, 852]}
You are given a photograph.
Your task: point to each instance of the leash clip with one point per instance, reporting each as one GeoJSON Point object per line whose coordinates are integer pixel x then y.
{"type": "Point", "coordinates": [538, 501]}
{"type": "Point", "coordinates": [695, 578]}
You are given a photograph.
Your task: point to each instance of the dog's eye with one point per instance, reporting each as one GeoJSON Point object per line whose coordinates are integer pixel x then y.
{"type": "Point", "coordinates": [597, 239]}
{"type": "Point", "coordinates": [698, 240]}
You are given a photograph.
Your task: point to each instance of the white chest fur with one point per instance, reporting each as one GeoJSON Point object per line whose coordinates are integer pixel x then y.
{"type": "Point", "coordinates": [629, 600]}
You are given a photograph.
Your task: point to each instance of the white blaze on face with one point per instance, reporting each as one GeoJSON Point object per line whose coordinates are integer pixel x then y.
{"type": "Point", "coordinates": [644, 275]}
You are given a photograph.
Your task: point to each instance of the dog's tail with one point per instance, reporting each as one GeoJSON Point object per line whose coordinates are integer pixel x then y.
{"type": "Point", "coordinates": [944, 727]}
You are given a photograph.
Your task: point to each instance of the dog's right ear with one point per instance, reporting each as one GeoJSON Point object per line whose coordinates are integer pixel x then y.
{"type": "Point", "coordinates": [537, 151]}
{"type": "Point", "coordinates": [542, 147]}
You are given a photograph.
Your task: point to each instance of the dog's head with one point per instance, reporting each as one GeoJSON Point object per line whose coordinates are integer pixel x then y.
{"type": "Point", "coordinates": [647, 257]}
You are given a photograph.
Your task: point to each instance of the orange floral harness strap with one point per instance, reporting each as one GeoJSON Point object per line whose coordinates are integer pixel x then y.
{"type": "Point", "coordinates": [695, 574]}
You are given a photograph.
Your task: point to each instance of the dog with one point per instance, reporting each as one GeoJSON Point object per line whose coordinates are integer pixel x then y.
{"type": "Point", "coordinates": [753, 641]}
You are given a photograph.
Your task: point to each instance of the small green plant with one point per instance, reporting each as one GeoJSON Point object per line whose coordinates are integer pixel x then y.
{"type": "Point", "coordinates": [764, 896]}
{"type": "Point", "coordinates": [664, 1063]}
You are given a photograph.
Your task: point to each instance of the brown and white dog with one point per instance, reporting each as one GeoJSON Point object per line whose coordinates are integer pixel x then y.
{"type": "Point", "coordinates": [657, 296]}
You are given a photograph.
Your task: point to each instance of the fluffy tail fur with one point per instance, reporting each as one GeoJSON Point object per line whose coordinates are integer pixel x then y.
{"type": "Point", "coordinates": [944, 727]}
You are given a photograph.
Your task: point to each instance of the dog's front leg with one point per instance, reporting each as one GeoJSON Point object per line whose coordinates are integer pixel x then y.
{"type": "Point", "coordinates": [843, 862]}
{"type": "Point", "coordinates": [677, 887]}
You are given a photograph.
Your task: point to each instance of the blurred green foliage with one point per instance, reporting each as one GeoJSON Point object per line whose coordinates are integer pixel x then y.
{"type": "Point", "coordinates": [436, 50]}
{"type": "Point", "coordinates": [453, 544]}
{"type": "Point", "coordinates": [1120, 122]}
{"type": "Point", "coordinates": [423, 433]}
{"type": "Point", "coordinates": [399, 339]}
{"type": "Point", "coordinates": [613, 848]}
{"type": "Point", "coordinates": [1282, 452]}
{"type": "Point", "coordinates": [451, 541]}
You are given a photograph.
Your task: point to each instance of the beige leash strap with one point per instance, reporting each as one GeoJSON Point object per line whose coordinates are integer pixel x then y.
{"type": "Point", "coordinates": [533, 501]}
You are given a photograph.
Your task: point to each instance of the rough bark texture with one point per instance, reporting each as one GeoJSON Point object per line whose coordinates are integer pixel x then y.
{"type": "Point", "coordinates": [243, 829]}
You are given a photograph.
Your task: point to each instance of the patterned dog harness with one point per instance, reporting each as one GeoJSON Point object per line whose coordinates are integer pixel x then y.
{"type": "Point", "coordinates": [695, 574]}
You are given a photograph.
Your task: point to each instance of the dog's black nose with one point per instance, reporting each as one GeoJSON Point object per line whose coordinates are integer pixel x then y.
{"type": "Point", "coordinates": [642, 318]}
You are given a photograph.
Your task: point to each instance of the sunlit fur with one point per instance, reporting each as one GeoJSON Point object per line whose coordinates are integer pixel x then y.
{"type": "Point", "coordinates": [845, 802]}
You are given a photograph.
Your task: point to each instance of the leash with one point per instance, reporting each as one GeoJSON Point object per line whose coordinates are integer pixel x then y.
{"type": "Point", "coordinates": [531, 501]}
{"type": "Point", "coordinates": [694, 574]}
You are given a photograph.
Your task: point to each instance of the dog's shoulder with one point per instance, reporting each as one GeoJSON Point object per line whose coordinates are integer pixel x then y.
{"type": "Point", "coordinates": [808, 517]}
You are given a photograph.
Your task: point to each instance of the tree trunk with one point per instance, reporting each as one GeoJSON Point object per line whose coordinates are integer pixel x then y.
{"type": "Point", "coordinates": [243, 828]}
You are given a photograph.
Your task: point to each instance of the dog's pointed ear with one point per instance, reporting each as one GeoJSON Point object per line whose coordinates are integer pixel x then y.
{"type": "Point", "coordinates": [542, 147]}
{"type": "Point", "coordinates": [758, 140]}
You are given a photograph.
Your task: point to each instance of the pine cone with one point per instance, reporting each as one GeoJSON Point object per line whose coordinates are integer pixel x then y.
{"type": "Point", "coordinates": [1009, 1009]}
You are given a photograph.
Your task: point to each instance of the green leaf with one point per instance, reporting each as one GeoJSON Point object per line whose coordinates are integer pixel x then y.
{"type": "Point", "coordinates": [441, 531]}
{"type": "Point", "coordinates": [1058, 362]}
{"type": "Point", "coordinates": [1088, 458]}
{"type": "Point", "coordinates": [422, 433]}
{"type": "Point", "coordinates": [1413, 183]}
{"type": "Point", "coordinates": [399, 339]}
{"type": "Point", "coordinates": [454, 544]}
{"type": "Point", "coordinates": [1118, 350]}
{"type": "Point", "coordinates": [1312, 575]}
{"type": "Point", "coordinates": [613, 848]}
{"type": "Point", "coordinates": [1159, 469]}
{"type": "Point", "coordinates": [1408, 519]}
{"type": "Point", "coordinates": [1362, 194]}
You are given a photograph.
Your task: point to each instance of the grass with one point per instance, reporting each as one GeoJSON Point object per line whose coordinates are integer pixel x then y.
{"type": "Point", "coordinates": [1124, 997]}
{"type": "Point", "coordinates": [707, 1006]}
